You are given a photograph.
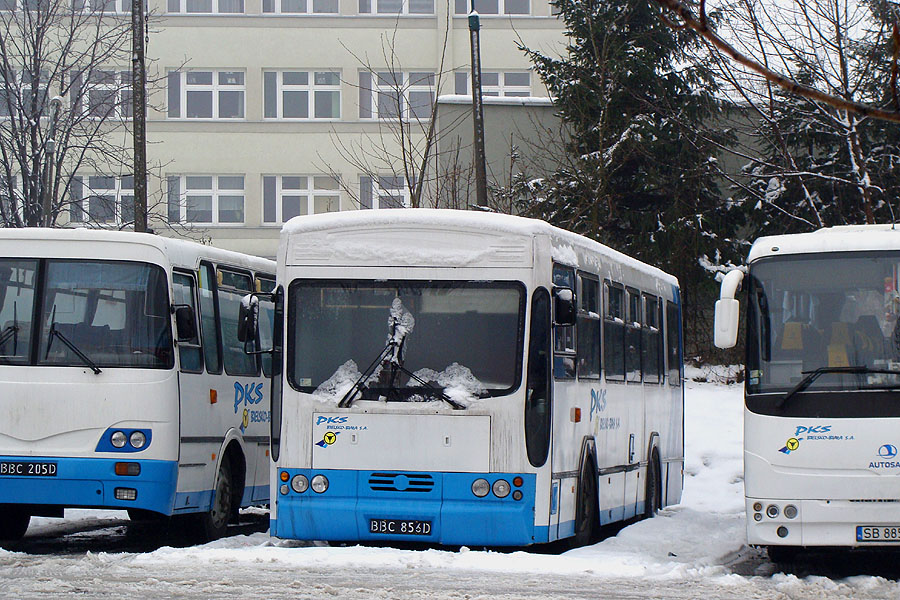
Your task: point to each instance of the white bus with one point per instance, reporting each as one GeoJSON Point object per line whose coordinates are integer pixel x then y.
{"type": "Point", "coordinates": [469, 378]}
{"type": "Point", "coordinates": [822, 410]}
{"type": "Point", "coordinates": [123, 383]}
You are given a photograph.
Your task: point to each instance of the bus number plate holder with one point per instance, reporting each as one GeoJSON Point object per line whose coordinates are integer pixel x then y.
{"type": "Point", "coordinates": [399, 527]}
{"type": "Point", "coordinates": [878, 533]}
{"type": "Point", "coordinates": [28, 469]}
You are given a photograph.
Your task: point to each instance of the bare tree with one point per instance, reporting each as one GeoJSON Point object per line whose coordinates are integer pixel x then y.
{"type": "Point", "coordinates": [679, 14]}
{"type": "Point", "coordinates": [65, 105]}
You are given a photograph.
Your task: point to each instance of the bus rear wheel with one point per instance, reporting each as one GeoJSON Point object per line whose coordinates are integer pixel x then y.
{"type": "Point", "coordinates": [14, 521]}
{"type": "Point", "coordinates": [653, 497]}
{"type": "Point", "coordinates": [586, 517]}
{"type": "Point", "coordinates": [213, 524]}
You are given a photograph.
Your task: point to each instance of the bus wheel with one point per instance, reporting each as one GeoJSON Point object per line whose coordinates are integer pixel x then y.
{"type": "Point", "coordinates": [214, 523]}
{"type": "Point", "coordinates": [14, 521]}
{"type": "Point", "coordinates": [653, 497]}
{"type": "Point", "coordinates": [586, 508]}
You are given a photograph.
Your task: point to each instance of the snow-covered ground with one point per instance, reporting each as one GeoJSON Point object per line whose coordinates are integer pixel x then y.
{"type": "Point", "coordinates": [688, 551]}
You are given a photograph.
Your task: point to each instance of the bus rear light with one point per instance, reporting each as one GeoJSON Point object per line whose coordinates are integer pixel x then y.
{"type": "Point", "coordinates": [782, 531]}
{"type": "Point", "coordinates": [284, 489]}
{"type": "Point", "coordinates": [501, 488]}
{"type": "Point", "coordinates": [481, 487]}
{"type": "Point", "coordinates": [518, 481]}
{"type": "Point", "coordinates": [128, 468]}
{"type": "Point", "coordinates": [126, 494]}
{"type": "Point", "coordinates": [284, 476]}
{"type": "Point", "coordinates": [517, 495]}
{"type": "Point", "coordinates": [319, 484]}
{"type": "Point", "coordinates": [300, 483]}
{"type": "Point", "coordinates": [757, 516]}
{"type": "Point", "coordinates": [790, 511]}
{"type": "Point", "coordinates": [757, 506]}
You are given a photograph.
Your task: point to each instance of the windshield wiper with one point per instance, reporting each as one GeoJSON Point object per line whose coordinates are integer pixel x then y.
{"type": "Point", "coordinates": [54, 332]}
{"type": "Point", "coordinates": [811, 376]}
{"type": "Point", "coordinates": [11, 331]}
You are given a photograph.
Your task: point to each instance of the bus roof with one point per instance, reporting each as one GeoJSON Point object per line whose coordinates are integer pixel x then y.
{"type": "Point", "coordinates": [182, 252]}
{"type": "Point", "coordinates": [844, 238]}
{"type": "Point", "coordinates": [564, 242]}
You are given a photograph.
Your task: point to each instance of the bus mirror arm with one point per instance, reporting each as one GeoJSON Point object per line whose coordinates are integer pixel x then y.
{"type": "Point", "coordinates": [728, 310]}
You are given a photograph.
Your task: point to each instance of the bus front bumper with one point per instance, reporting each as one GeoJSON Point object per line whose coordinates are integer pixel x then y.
{"type": "Point", "coordinates": [438, 508]}
{"type": "Point", "coordinates": [87, 483]}
{"type": "Point", "coordinates": [858, 523]}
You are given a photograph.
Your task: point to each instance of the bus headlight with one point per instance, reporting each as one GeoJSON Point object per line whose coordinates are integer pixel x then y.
{"type": "Point", "coordinates": [138, 439]}
{"type": "Point", "coordinates": [319, 484]}
{"type": "Point", "coordinates": [118, 439]}
{"type": "Point", "coordinates": [481, 487]}
{"type": "Point", "coordinates": [501, 488]}
{"type": "Point", "coordinates": [300, 483]}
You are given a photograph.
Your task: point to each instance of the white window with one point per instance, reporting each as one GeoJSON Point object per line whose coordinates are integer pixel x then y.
{"type": "Point", "coordinates": [23, 81]}
{"type": "Point", "coordinates": [494, 7]}
{"type": "Point", "coordinates": [495, 83]}
{"type": "Point", "coordinates": [206, 94]}
{"type": "Point", "coordinates": [102, 199]}
{"type": "Point", "coordinates": [387, 95]}
{"type": "Point", "coordinates": [105, 94]}
{"type": "Point", "coordinates": [208, 7]}
{"type": "Point", "coordinates": [206, 199]}
{"type": "Point", "coordinates": [106, 6]}
{"type": "Point", "coordinates": [396, 7]}
{"type": "Point", "coordinates": [288, 196]}
{"type": "Point", "coordinates": [302, 94]}
{"type": "Point", "coordinates": [383, 191]}
{"type": "Point", "coordinates": [300, 7]}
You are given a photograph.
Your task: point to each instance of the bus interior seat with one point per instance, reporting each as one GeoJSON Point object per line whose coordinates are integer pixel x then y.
{"type": "Point", "coordinates": [868, 338]}
{"type": "Point", "coordinates": [799, 341]}
{"type": "Point", "coordinates": [839, 342]}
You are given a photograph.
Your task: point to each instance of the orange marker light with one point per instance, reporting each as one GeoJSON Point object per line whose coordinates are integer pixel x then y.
{"type": "Point", "coordinates": [285, 476]}
{"type": "Point", "coordinates": [517, 481]}
{"type": "Point", "coordinates": [213, 396]}
{"type": "Point", "coordinates": [576, 415]}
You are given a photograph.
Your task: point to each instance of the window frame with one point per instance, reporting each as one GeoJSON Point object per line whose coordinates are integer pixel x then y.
{"type": "Point", "coordinates": [372, 193]}
{"type": "Point", "coordinates": [613, 323]}
{"type": "Point", "coordinates": [215, 88]}
{"type": "Point", "coordinates": [311, 88]}
{"type": "Point", "coordinates": [195, 306]}
{"type": "Point", "coordinates": [278, 9]}
{"type": "Point", "coordinates": [587, 314]}
{"type": "Point", "coordinates": [181, 8]}
{"type": "Point", "coordinates": [501, 90]}
{"type": "Point", "coordinates": [309, 194]}
{"type": "Point", "coordinates": [370, 7]}
{"type": "Point", "coordinates": [80, 207]}
{"type": "Point", "coordinates": [216, 192]}
{"type": "Point", "coordinates": [648, 330]}
{"type": "Point", "coordinates": [371, 91]}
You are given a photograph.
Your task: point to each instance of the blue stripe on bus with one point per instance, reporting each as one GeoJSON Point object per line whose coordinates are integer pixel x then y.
{"type": "Point", "coordinates": [343, 512]}
{"type": "Point", "coordinates": [201, 501]}
{"type": "Point", "coordinates": [91, 482]}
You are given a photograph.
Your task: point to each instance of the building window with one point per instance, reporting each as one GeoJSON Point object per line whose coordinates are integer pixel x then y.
{"type": "Point", "coordinates": [302, 94]}
{"type": "Point", "coordinates": [9, 204]}
{"type": "Point", "coordinates": [301, 7]}
{"type": "Point", "coordinates": [387, 95]}
{"type": "Point", "coordinates": [23, 80]}
{"type": "Point", "coordinates": [102, 200]}
{"type": "Point", "coordinates": [205, 7]}
{"type": "Point", "coordinates": [495, 83]}
{"type": "Point", "coordinates": [396, 7]}
{"type": "Point", "coordinates": [105, 94]}
{"type": "Point", "coordinates": [206, 199]}
{"type": "Point", "coordinates": [288, 196]}
{"type": "Point", "coordinates": [206, 94]}
{"type": "Point", "coordinates": [494, 7]}
{"type": "Point", "coordinates": [105, 6]}
{"type": "Point", "coordinates": [383, 191]}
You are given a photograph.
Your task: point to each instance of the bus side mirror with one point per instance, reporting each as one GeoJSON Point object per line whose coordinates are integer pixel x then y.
{"type": "Point", "coordinates": [185, 324]}
{"type": "Point", "coordinates": [728, 311]}
{"type": "Point", "coordinates": [563, 307]}
{"type": "Point", "coordinates": [248, 319]}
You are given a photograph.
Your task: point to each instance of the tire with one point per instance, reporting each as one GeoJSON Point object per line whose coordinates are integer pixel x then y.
{"type": "Point", "coordinates": [213, 524]}
{"type": "Point", "coordinates": [586, 517]}
{"type": "Point", "coordinates": [653, 497]}
{"type": "Point", "coordinates": [14, 521]}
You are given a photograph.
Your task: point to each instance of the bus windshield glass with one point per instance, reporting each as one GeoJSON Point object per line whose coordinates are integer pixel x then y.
{"type": "Point", "coordinates": [835, 313]}
{"type": "Point", "coordinates": [451, 332]}
{"type": "Point", "coordinates": [114, 313]}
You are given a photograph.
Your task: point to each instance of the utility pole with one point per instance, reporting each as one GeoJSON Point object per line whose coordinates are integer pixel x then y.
{"type": "Point", "coordinates": [139, 115]}
{"type": "Point", "coordinates": [477, 111]}
{"type": "Point", "coordinates": [50, 156]}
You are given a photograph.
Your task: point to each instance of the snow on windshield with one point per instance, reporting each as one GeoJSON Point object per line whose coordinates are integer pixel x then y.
{"type": "Point", "coordinates": [458, 382]}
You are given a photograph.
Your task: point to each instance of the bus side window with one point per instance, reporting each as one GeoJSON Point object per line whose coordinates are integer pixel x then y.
{"type": "Point", "coordinates": [189, 351]}
{"type": "Point", "coordinates": [209, 319]}
{"type": "Point", "coordinates": [673, 347]}
{"type": "Point", "coordinates": [588, 342]}
{"type": "Point", "coordinates": [233, 286]}
{"type": "Point", "coordinates": [537, 391]}
{"type": "Point", "coordinates": [564, 337]}
{"type": "Point", "coordinates": [633, 337]}
{"type": "Point", "coordinates": [650, 346]}
{"type": "Point", "coordinates": [614, 331]}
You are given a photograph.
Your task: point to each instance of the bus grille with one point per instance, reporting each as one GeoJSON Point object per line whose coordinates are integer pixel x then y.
{"type": "Point", "coordinates": [401, 482]}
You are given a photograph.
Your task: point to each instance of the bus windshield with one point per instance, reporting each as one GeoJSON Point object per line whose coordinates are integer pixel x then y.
{"type": "Point", "coordinates": [114, 313]}
{"type": "Point", "coordinates": [471, 330]}
{"type": "Point", "coordinates": [834, 313]}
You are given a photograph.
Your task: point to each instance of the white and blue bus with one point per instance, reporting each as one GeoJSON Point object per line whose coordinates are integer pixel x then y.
{"type": "Point", "coordinates": [822, 408]}
{"type": "Point", "coordinates": [469, 378]}
{"type": "Point", "coordinates": [123, 383]}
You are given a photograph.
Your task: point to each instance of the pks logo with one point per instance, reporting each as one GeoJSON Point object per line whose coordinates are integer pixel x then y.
{"type": "Point", "coordinates": [331, 420]}
{"type": "Point", "coordinates": [252, 393]}
{"type": "Point", "coordinates": [598, 402]}
{"type": "Point", "coordinates": [887, 451]}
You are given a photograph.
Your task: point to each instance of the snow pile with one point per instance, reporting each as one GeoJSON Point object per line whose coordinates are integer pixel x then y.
{"type": "Point", "coordinates": [458, 382]}
{"type": "Point", "coordinates": [335, 387]}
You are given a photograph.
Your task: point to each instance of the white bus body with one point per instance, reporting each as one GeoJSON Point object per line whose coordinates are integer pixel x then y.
{"type": "Point", "coordinates": [545, 441]}
{"type": "Point", "coordinates": [822, 410]}
{"type": "Point", "coordinates": [102, 406]}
